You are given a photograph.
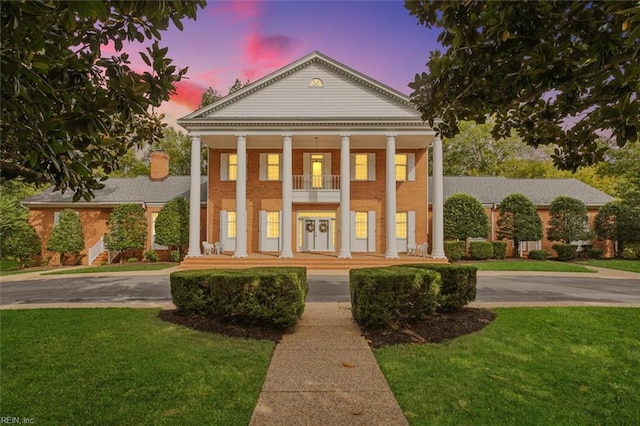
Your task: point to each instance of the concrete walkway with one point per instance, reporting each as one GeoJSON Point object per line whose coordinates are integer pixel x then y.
{"type": "Point", "coordinates": [325, 373]}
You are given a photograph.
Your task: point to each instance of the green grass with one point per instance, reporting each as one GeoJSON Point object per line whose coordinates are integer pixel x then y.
{"type": "Point", "coordinates": [630, 265]}
{"type": "Point", "coordinates": [529, 265]}
{"type": "Point", "coordinates": [115, 366]}
{"type": "Point", "coordinates": [8, 264]}
{"type": "Point", "coordinates": [11, 267]}
{"type": "Point", "coordinates": [531, 366]}
{"type": "Point", "coordinates": [121, 267]}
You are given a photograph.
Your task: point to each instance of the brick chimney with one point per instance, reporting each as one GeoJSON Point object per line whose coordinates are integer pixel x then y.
{"type": "Point", "coordinates": [159, 165]}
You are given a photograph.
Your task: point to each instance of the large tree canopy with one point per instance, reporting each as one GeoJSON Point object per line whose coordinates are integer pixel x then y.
{"type": "Point", "coordinates": [67, 109]}
{"type": "Point", "coordinates": [558, 72]}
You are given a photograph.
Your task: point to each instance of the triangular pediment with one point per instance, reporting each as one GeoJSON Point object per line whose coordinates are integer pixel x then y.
{"type": "Point", "coordinates": [312, 88]}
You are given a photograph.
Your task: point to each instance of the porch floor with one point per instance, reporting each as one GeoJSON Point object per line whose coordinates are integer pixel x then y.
{"type": "Point", "coordinates": [312, 261]}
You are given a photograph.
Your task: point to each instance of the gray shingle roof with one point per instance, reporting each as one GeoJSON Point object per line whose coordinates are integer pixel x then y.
{"type": "Point", "coordinates": [541, 192]}
{"type": "Point", "coordinates": [140, 189]}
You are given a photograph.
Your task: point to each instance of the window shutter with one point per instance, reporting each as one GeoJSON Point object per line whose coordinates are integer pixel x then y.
{"type": "Point", "coordinates": [371, 227]}
{"type": "Point", "coordinates": [371, 165]}
{"type": "Point", "coordinates": [352, 167]}
{"type": "Point", "coordinates": [263, 166]}
{"type": "Point", "coordinates": [411, 228]}
{"type": "Point", "coordinates": [224, 166]}
{"type": "Point", "coordinates": [262, 230]}
{"type": "Point", "coordinates": [306, 163]}
{"type": "Point", "coordinates": [327, 164]}
{"type": "Point", "coordinates": [411, 169]}
{"type": "Point", "coordinates": [352, 237]}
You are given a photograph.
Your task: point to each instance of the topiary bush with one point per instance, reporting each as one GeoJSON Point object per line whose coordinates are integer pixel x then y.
{"type": "Point", "coordinates": [151, 256]}
{"type": "Point", "coordinates": [266, 296]}
{"type": "Point", "coordinates": [480, 250]}
{"type": "Point", "coordinates": [174, 256]}
{"type": "Point", "coordinates": [459, 284]}
{"type": "Point", "coordinates": [499, 249]}
{"type": "Point", "coordinates": [593, 253]}
{"type": "Point", "coordinates": [454, 250]}
{"type": "Point", "coordinates": [565, 252]}
{"type": "Point", "coordinates": [384, 296]}
{"type": "Point", "coordinates": [538, 254]}
{"type": "Point", "coordinates": [132, 260]}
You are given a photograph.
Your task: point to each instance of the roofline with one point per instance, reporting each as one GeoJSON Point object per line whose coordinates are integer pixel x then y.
{"type": "Point", "coordinates": [292, 67]}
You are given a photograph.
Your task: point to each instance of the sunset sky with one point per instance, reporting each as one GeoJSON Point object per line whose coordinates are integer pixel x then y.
{"type": "Point", "coordinates": [250, 39]}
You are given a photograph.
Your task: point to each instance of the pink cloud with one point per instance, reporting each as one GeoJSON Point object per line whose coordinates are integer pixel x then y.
{"type": "Point", "coordinates": [264, 53]}
{"type": "Point", "coordinates": [188, 94]}
{"type": "Point", "coordinates": [237, 10]}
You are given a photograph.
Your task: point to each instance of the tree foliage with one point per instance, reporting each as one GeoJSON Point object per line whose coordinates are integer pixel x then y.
{"type": "Point", "coordinates": [618, 221]}
{"type": "Point", "coordinates": [237, 85]}
{"type": "Point", "coordinates": [519, 220]}
{"type": "Point", "coordinates": [23, 244]}
{"type": "Point", "coordinates": [209, 96]}
{"type": "Point", "coordinates": [67, 236]}
{"type": "Point", "coordinates": [172, 224]}
{"type": "Point", "coordinates": [127, 228]}
{"type": "Point", "coordinates": [464, 218]}
{"type": "Point", "coordinates": [68, 109]}
{"type": "Point", "coordinates": [557, 72]}
{"type": "Point", "coordinates": [567, 219]}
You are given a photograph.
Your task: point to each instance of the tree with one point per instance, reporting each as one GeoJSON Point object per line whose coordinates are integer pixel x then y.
{"type": "Point", "coordinates": [67, 236]}
{"type": "Point", "coordinates": [67, 109]}
{"type": "Point", "coordinates": [618, 221]}
{"type": "Point", "coordinates": [209, 96]}
{"type": "Point", "coordinates": [464, 218]}
{"type": "Point", "coordinates": [23, 244]}
{"type": "Point", "coordinates": [172, 224]}
{"type": "Point", "coordinates": [127, 228]}
{"type": "Point", "coordinates": [567, 219]}
{"type": "Point", "coordinates": [237, 85]}
{"type": "Point", "coordinates": [518, 221]}
{"type": "Point", "coordinates": [622, 166]}
{"type": "Point", "coordinates": [558, 73]}
{"type": "Point", "coordinates": [178, 146]}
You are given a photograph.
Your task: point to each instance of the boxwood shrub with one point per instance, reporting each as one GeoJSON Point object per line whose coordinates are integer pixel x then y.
{"type": "Point", "coordinates": [565, 251]}
{"type": "Point", "coordinates": [538, 254]}
{"type": "Point", "coordinates": [480, 250]}
{"type": "Point", "coordinates": [271, 296]}
{"type": "Point", "coordinates": [383, 296]}
{"type": "Point", "coordinates": [499, 249]}
{"type": "Point", "coordinates": [459, 284]}
{"type": "Point", "coordinates": [454, 250]}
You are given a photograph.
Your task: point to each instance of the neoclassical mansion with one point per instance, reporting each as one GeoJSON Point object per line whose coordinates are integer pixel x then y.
{"type": "Point", "coordinates": [315, 157]}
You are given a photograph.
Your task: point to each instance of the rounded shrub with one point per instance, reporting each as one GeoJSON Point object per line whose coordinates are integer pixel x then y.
{"type": "Point", "coordinates": [565, 252]}
{"type": "Point", "coordinates": [151, 256]}
{"type": "Point", "coordinates": [454, 250]}
{"type": "Point", "coordinates": [174, 256]}
{"type": "Point", "coordinates": [459, 284]}
{"type": "Point", "coordinates": [480, 250]}
{"type": "Point", "coordinates": [499, 249]}
{"type": "Point", "coordinates": [538, 254]}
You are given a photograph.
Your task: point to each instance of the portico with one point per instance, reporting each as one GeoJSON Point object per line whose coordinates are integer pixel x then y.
{"type": "Point", "coordinates": [296, 167]}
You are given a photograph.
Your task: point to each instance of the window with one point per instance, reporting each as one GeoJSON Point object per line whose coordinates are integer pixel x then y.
{"type": "Point", "coordinates": [273, 224]}
{"type": "Point", "coordinates": [316, 82]}
{"type": "Point", "coordinates": [273, 166]}
{"type": "Point", "coordinates": [401, 166]}
{"type": "Point", "coordinates": [231, 224]}
{"type": "Point", "coordinates": [401, 225]}
{"type": "Point", "coordinates": [361, 170]}
{"type": "Point", "coordinates": [232, 168]}
{"type": "Point", "coordinates": [361, 230]}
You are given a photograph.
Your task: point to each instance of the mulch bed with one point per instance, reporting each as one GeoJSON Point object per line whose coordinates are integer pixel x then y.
{"type": "Point", "coordinates": [438, 328]}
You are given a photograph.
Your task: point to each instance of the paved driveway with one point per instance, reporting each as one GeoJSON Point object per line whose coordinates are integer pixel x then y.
{"type": "Point", "coordinates": [493, 289]}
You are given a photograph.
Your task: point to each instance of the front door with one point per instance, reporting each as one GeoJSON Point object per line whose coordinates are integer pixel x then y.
{"type": "Point", "coordinates": [317, 234]}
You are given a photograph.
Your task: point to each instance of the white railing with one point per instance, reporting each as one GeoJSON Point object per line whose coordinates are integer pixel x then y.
{"type": "Point", "coordinates": [96, 250]}
{"type": "Point", "coordinates": [112, 254]}
{"type": "Point", "coordinates": [316, 183]}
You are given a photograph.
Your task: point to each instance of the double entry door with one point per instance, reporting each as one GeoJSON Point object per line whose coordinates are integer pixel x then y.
{"type": "Point", "coordinates": [316, 234]}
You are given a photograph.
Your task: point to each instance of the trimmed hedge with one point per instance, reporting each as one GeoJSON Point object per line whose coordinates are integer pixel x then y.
{"type": "Point", "coordinates": [454, 250]}
{"type": "Point", "coordinates": [459, 284]}
{"type": "Point", "coordinates": [538, 254]}
{"type": "Point", "coordinates": [565, 251]}
{"type": "Point", "coordinates": [383, 296]}
{"type": "Point", "coordinates": [272, 296]}
{"type": "Point", "coordinates": [499, 249]}
{"type": "Point", "coordinates": [480, 250]}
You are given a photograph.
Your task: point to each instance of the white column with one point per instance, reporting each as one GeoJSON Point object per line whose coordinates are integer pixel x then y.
{"type": "Point", "coordinates": [345, 199]}
{"type": "Point", "coordinates": [391, 251]}
{"type": "Point", "coordinates": [194, 200]}
{"type": "Point", "coordinates": [437, 250]}
{"type": "Point", "coordinates": [287, 189]}
{"type": "Point", "coordinates": [241, 198]}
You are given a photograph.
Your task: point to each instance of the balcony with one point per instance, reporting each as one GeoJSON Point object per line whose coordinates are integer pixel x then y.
{"type": "Point", "coordinates": [316, 189]}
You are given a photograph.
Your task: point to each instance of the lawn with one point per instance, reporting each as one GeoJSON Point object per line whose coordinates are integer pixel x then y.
{"type": "Point", "coordinates": [115, 366]}
{"type": "Point", "coordinates": [630, 265]}
{"type": "Point", "coordinates": [531, 366]}
{"type": "Point", "coordinates": [529, 265]}
{"type": "Point", "coordinates": [120, 267]}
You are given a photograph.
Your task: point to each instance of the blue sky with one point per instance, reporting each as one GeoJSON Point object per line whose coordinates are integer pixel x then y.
{"type": "Point", "coordinates": [250, 39]}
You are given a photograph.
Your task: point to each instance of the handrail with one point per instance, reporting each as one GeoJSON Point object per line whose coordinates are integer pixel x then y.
{"type": "Point", "coordinates": [96, 250]}
{"type": "Point", "coordinates": [316, 183]}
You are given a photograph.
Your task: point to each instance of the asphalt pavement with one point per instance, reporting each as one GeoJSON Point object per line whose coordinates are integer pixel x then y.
{"type": "Point", "coordinates": [494, 289]}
